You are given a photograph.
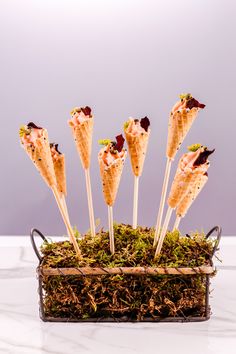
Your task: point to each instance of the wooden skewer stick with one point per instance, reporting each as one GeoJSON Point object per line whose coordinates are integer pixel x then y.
{"type": "Point", "coordinates": [135, 205]}
{"type": "Point", "coordinates": [66, 220]}
{"type": "Point", "coordinates": [88, 198]}
{"type": "Point", "coordinates": [163, 231]}
{"type": "Point", "coordinates": [63, 200]}
{"type": "Point", "coordinates": [90, 202]}
{"type": "Point", "coordinates": [176, 224]}
{"type": "Point", "coordinates": [59, 206]}
{"type": "Point", "coordinates": [162, 202]}
{"type": "Point", "coordinates": [111, 229]}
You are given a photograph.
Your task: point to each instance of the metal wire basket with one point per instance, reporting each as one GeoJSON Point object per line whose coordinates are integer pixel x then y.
{"type": "Point", "coordinates": [203, 272]}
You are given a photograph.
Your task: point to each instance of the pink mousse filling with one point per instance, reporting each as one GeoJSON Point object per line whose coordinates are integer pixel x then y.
{"type": "Point", "coordinates": [30, 139]}
{"type": "Point", "coordinates": [188, 160]}
{"type": "Point", "coordinates": [78, 118]}
{"type": "Point", "coordinates": [108, 157]}
{"type": "Point", "coordinates": [54, 153]}
{"type": "Point", "coordinates": [134, 128]}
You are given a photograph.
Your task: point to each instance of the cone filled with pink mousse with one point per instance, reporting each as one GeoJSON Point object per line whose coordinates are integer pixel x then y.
{"type": "Point", "coordinates": [111, 160]}
{"type": "Point", "coordinates": [191, 169]}
{"type": "Point", "coordinates": [181, 119]}
{"type": "Point", "coordinates": [186, 202]}
{"type": "Point", "coordinates": [34, 140]}
{"type": "Point", "coordinates": [137, 134]}
{"type": "Point", "coordinates": [81, 124]}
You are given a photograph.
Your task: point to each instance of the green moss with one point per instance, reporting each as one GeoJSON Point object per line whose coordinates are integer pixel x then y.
{"type": "Point", "coordinates": [135, 297]}
{"type": "Point", "coordinates": [132, 248]}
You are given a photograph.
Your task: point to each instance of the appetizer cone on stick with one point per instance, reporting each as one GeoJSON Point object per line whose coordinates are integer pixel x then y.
{"type": "Point", "coordinates": [137, 136]}
{"type": "Point", "coordinates": [81, 124]}
{"type": "Point", "coordinates": [181, 119]}
{"type": "Point", "coordinates": [187, 201]}
{"type": "Point", "coordinates": [111, 161]}
{"type": "Point", "coordinates": [192, 166]}
{"type": "Point", "coordinates": [58, 160]}
{"type": "Point", "coordinates": [35, 142]}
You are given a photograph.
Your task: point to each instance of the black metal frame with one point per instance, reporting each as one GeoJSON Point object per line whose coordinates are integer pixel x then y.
{"type": "Point", "coordinates": [45, 318]}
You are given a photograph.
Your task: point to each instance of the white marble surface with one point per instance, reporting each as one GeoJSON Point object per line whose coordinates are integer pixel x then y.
{"type": "Point", "coordinates": [22, 332]}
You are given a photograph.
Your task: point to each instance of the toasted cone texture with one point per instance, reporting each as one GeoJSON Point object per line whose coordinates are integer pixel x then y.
{"type": "Point", "coordinates": [40, 154]}
{"type": "Point", "coordinates": [137, 146]}
{"type": "Point", "coordinates": [179, 125]}
{"type": "Point", "coordinates": [110, 176]}
{"type": "Point", "coordinates": [83, 134]}
{"type": "Point", "coordinates": [60, 171]}
{"type": "Point", "coordinates": [182, 183]}
{"type": "Point", "coordinates": [187, 201]}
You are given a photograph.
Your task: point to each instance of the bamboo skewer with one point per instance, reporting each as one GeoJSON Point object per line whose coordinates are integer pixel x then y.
{"type": "Point", "coordinates": [88, 199]}
{"type": "Point", "coordinates": [176, 224]}
{"type": "Point", "coordinates": [111, 229]}
{"type": "Point", "coordinates": [162, 202]}
{"type": "Point", "coordinates": [163, 231]}
{"type": "Point", "coordinates": [135, 205]}
{"type": "Point", "coordinates": [66, 220]}
{"type": "Point", "coordinates": [90, 202]}
{"type": "Point", "coordinates": [64, 205]}
{"type": "Point", "coordinates": [63, 199]}
{"type": "Point", "coordinates": [137, 133]}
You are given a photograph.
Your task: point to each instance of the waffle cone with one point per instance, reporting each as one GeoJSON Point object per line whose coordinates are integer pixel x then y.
{"type": "Point", "coordinates": [40, 154]}
{"type": "Point", "coordinates": [137, 146]}
{"type": "Point", "coordinates": [83, 140]}
{"type": "Point", "coordinates": [60, 172]}
{"type": "Point", "coordinates": [110, 176]}
{"type": "Point", "coordinates": [179, 124]}
{"type": "Point", "coordinates": [187, 201]}
{"type": "Point", "coordinates": [182, 183]}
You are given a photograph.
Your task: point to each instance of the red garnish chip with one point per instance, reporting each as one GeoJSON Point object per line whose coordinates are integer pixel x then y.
{"type": "Point", "coordinates": [86, 110]}
{"type": "Point", "coordinates": [32, 125]}
{"type": "Point", "coordinates": [119, 143]}
{"type": "Point", "coordinates": [191, 103]}
{"type": "Point", "coordinates": [145, 122]}
{"type": "Point", "coordinates": [202, 158]}
{"type": "Point", "coordinates": [55, 146]}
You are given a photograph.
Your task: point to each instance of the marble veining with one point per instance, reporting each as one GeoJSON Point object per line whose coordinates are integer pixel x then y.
{"type": "Point", "coordinates": [22, 332]}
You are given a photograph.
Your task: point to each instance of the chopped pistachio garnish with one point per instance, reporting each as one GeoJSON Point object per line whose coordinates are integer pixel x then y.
{"type": "Point", "coordinates": [185, 96]}
{"type": "Point", "coordinates": [126, 124]}
{"type": "Point", "coordinates": [74, 110]}
{"type": "Point", "coordinates": [24, 130]}
{"type": "Point", "coordinates": [104, 142]}
{"type": "Point", "coordinates": [194, 147]}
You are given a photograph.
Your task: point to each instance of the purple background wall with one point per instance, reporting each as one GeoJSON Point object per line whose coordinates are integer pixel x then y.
{"type": "Point", "coordinates": [123, 58]}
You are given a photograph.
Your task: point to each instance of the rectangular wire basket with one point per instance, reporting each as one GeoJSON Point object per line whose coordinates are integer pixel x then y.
{"type": "Point", "coordinates": [140, 274]}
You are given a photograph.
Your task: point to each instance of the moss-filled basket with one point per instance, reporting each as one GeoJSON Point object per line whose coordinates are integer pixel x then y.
{"type": "Point", "coordinates": [130, 285]}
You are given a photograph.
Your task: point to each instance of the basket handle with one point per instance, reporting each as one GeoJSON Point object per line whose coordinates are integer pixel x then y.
{"type": "Point", "coordinates": [32, 233]}
{"type": "Point", "coordinates": [218, 230]}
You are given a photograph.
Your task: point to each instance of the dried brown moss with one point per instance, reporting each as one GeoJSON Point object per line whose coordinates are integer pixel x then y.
{"type": "Point", "coordinates": [125, 296]}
